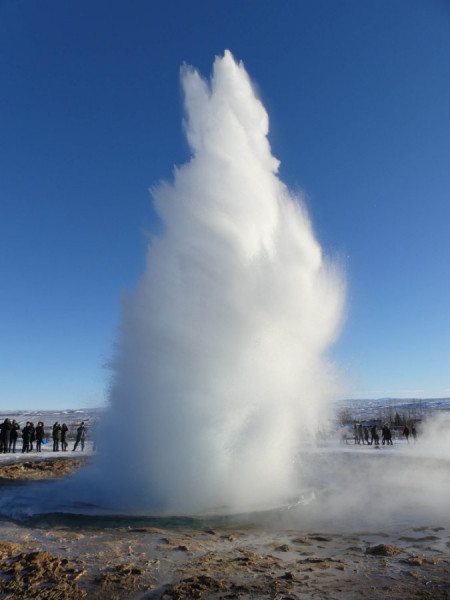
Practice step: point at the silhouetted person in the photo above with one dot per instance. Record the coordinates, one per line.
(64, 430)
(81, 436)
(386, 435)
(32, 435)
(40, 434)
(15, 428)
(360, 434)
(5, 436)
(389, 436)
(414, 432)
(26, 436)
(56, 435)
(406, 433)
(374, 436)
(366, 435)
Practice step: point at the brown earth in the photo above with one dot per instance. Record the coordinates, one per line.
(50, 468)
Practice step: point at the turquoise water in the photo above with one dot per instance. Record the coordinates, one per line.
(77, 522)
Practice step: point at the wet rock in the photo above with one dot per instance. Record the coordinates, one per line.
(146, 530)
(289, 576)
(321, 538)
(230, 537)
(413, 561)
(323, 563)
(302, 540)
(170, 541)
(383, 550)
(120, 577)
(128, 570)
(177, 544)
(41, 469)
(40, 575)
(283, 548)
(8, 549)
(193, 588)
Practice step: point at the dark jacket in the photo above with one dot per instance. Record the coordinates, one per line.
(26, 433)
(5, 430)
(56, 431)
(81, 433)
(15, 428)
(40, 434)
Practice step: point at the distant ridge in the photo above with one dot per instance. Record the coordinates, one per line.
(370, 407)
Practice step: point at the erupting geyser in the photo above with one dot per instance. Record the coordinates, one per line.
(220, 365)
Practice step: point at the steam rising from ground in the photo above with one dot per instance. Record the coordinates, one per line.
(356, 487)
(219, 370)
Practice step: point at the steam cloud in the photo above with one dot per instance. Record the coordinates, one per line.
(220, 366)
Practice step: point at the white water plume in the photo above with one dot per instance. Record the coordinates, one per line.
(220, 368)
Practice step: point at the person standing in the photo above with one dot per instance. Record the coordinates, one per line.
(26, 436)
(5, 436)
(56, 435)
(15, 428)
(81, 436)
(361, 434)
(64, 430)
(40, 434)
(406, 433)
(366, 435)
(32, 435)
(387, 435)
(375, 439)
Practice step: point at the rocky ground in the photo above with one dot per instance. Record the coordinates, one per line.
(33, 468)
(47, 561)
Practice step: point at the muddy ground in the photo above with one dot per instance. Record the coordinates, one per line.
(46, 561)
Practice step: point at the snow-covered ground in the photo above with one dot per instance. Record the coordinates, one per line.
(46, 452)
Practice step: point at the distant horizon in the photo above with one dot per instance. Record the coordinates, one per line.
(356, 399)
(337, 400)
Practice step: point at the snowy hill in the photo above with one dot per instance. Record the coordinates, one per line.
(361, 409)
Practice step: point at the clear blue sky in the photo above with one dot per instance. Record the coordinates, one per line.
(358, 94)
